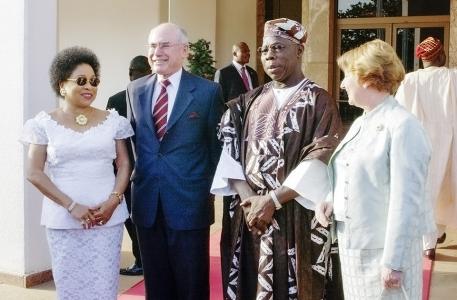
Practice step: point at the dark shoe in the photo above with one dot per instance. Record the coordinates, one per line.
(133, 270)
(442, 238)
(430, 254)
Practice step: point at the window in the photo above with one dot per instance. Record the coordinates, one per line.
(401, 23)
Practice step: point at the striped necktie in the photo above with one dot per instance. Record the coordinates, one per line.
(159, 114)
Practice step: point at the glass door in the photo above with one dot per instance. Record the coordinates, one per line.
(350, 37)
(408, 36)
(403, 33)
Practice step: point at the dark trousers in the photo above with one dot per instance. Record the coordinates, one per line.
(131, 228)
(226, 244)
(175, 262)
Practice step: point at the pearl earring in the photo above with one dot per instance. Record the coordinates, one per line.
(63, 92)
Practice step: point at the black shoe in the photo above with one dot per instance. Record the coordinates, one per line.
(442, 238)
(133, 270)
(430, 254)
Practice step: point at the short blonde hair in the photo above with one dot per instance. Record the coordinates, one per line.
(374, 63)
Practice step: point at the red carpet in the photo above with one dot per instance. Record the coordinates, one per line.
(427, 267)
(136, 292)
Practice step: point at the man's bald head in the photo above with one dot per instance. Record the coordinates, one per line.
(241, 53)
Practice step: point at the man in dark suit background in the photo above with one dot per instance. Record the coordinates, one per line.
(139, 67)
(237, 78)
(174, 115)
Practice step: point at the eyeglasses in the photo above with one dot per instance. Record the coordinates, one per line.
(81, 81)
(275, 48)
(163, 46)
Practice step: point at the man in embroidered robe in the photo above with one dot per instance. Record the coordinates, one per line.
(431, 95)
(277, 140)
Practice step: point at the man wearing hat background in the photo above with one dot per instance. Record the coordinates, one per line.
(431, 95)
(277, 140)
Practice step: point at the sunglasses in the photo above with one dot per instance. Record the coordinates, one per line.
(81, 81)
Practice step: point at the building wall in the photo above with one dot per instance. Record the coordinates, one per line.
(236, 22)
(116, 30)
(197, 17)
(453, 35)
(315, 18)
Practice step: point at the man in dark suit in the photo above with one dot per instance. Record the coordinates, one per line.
(237, 78)
(174, 115)
(139, 67)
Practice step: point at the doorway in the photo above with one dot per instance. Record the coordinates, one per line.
(401, 23)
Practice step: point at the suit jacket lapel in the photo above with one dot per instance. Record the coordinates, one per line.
(350, 135)
(183, 98)
(145, 100)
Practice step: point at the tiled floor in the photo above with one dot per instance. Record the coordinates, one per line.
(443, 286)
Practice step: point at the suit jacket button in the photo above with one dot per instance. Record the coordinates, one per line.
(159, 155)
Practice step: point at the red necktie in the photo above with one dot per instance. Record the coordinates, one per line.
(159, 114)
(245, 78)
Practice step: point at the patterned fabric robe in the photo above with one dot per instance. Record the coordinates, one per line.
(292, 259)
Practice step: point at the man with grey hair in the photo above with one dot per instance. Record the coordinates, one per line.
(174, 115)
(277, 140)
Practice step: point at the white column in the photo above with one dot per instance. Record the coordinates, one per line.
(29, 35)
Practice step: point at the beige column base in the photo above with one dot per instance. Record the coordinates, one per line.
(26, 281)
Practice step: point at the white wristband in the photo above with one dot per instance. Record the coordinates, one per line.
(71, 206)
(275, 200)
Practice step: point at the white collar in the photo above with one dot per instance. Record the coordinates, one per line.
(238, 66)
(282, 95)
(174, 78)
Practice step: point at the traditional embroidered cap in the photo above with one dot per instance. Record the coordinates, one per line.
(286, 28)
(429, 48)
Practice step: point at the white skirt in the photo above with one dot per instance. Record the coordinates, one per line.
(85, 263)
(361, 272)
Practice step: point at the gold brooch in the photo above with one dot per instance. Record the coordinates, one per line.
(81, 120)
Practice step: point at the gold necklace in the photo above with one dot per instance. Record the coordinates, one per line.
(81, 120)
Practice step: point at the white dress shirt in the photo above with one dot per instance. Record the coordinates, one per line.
(238, 68)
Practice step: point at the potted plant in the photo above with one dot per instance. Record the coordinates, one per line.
(200, 60)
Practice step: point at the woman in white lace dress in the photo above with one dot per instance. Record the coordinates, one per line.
(70, 160)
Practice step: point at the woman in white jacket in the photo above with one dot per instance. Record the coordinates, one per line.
(378, 175)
